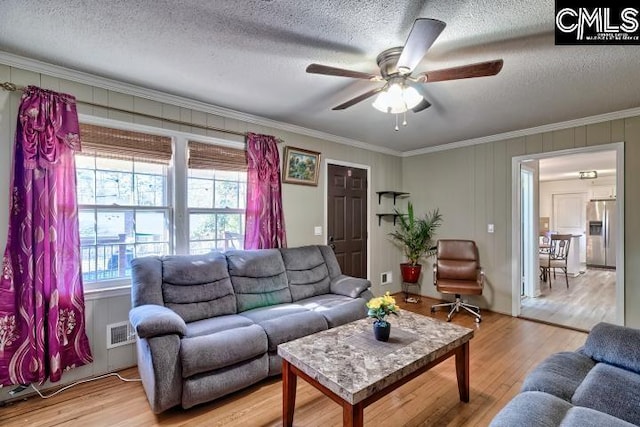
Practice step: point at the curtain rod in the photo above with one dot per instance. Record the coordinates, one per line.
(12, 87)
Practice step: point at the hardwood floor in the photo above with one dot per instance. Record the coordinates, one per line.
(503, 350)
(591, 298)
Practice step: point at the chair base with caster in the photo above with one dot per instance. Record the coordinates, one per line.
(456, 306)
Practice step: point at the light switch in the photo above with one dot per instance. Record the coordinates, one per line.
(489, 228)
(317, 230)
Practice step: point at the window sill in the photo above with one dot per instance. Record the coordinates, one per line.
(107, 292)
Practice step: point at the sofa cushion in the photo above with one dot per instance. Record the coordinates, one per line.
(261, 314)
(216, 324)
(539, 409)
(349, 286)
(285, 328)
(146, 281)
(258, 278)
(332, 262)
(585, 417)
(212, 385)
(197, 286)
(306, 271)
(560, 374)
(532, 409)
(336, 309)
(615, 345)
(612, 390)
(219, 350)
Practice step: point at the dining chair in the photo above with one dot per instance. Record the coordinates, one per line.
(556, 257)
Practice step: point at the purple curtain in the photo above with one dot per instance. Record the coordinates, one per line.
(265, 219)
(42, 323)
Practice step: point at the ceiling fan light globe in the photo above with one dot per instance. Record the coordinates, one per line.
(411, 97)
(381, 102)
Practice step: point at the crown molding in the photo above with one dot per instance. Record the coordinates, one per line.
(623, 114)
(29, 64)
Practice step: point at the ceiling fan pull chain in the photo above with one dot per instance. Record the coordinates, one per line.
(397, 128)
(404, 118)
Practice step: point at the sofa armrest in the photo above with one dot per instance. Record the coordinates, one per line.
(151, 320)
(349, 286)
(615, 345)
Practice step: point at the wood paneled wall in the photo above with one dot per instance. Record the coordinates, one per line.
(472, 187)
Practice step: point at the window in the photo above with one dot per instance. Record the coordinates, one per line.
(216, 197)
(127, 208)
(123, 200)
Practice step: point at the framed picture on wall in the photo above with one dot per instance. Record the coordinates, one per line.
(300, 166)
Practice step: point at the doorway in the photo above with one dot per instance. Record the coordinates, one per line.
(347, 217)
(561, 200)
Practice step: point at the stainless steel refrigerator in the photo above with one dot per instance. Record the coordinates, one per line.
(601, 233)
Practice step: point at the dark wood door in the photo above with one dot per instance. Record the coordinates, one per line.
(347, 218)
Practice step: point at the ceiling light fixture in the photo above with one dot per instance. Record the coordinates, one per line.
(588, 174)
(396, 98)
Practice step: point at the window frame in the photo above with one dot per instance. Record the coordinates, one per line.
(176, 187)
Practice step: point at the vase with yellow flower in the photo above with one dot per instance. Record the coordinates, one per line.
(379, 309)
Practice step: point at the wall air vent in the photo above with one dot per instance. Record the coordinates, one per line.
(119, 334)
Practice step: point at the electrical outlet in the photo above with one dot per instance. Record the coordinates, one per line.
(19, 389)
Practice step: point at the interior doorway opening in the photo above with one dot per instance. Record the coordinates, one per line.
(581, 292)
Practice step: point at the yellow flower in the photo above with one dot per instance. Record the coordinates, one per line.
(374, 303)
(388, 299)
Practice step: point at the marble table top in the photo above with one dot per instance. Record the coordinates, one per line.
(350, 362)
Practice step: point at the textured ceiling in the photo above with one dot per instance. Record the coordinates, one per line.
(251, 56)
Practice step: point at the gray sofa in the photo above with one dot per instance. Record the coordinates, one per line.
(209, 325)
(598, 385)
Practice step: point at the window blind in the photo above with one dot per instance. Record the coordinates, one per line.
(124, 144)
(208, 156)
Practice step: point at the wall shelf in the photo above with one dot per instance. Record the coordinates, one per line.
(387, 215)
(395, 194)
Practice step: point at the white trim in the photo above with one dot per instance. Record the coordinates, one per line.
(101, 293)
(155, 95)
(325, 174)
(620, 288)
(631, 112)
(515, 221)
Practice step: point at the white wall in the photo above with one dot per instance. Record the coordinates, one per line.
(591, 188)
(549, 188)
(303, 205)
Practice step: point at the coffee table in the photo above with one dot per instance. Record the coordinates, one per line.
(349, 366)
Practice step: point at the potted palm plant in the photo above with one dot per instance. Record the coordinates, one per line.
(415, 237)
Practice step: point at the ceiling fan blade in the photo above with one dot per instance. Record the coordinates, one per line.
(481, 69)
(423, 34)
(424, 104)
(341, 72)
(358, 98)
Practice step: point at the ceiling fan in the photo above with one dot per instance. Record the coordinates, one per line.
(401, 90)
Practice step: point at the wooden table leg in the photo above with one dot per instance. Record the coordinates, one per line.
(352, 415)
(462, 371)
(289, 381)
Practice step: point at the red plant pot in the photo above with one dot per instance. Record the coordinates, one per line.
(410, 273)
